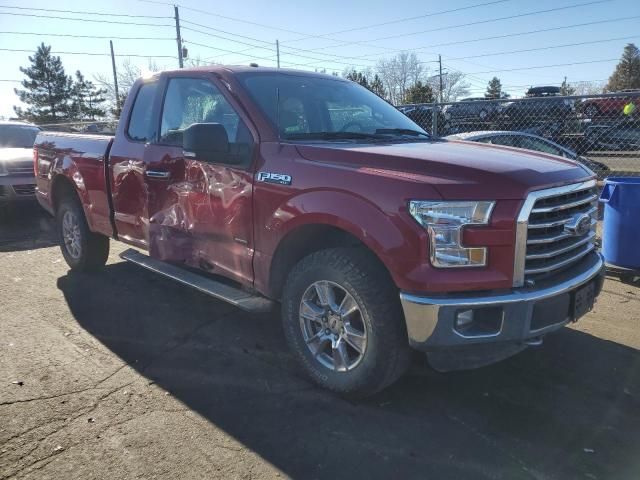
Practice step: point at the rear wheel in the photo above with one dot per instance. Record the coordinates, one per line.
(82, 249)
(343, 321)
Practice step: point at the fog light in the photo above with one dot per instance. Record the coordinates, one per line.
(464, 319)
(479, 322)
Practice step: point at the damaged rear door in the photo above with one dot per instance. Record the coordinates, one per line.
(200, 212)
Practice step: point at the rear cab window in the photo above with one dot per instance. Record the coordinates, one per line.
(141, 127)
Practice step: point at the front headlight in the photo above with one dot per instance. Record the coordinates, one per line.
(444, 222)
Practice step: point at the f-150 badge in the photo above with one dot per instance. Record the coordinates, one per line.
(270, 177)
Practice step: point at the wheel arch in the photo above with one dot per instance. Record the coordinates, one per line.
(306, 239)
(61, 187)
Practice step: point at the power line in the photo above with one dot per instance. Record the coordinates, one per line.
(86, 20)
(511, 35)
(7, 80)
(83, 12)
(492, 20)
(86, 36)
(543, 48)
(406, 19)
(268, 46)
(269, 59)
(205, 12)
(547, 66)
(468, 24)
(90, 53)
(227, 51)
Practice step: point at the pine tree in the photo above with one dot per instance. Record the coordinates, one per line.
(494, 88)
(358, 77)
(419, 93)
(377, 86)
(627, 72)
(86, 99)
(47, 89)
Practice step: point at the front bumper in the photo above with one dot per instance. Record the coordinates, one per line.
(17, 188)
(517, 317)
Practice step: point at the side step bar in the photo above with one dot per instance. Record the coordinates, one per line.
(235, 296)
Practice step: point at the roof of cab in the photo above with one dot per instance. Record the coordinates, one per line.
(234, 69)
(19, 123)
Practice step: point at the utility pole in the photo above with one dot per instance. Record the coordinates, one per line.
(441, 86)
(115, 78)
(278, 51)
(178, 37)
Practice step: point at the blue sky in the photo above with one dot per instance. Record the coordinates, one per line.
(314, 35)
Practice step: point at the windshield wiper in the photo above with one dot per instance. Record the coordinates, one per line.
(330, 136)
(401, 131)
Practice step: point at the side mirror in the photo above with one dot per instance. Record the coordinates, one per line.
(207, 142)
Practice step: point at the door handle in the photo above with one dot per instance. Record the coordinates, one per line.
(157, 174)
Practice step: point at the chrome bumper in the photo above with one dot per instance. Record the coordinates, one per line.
(520, 314)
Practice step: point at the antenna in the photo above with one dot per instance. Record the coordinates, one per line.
(278, 112)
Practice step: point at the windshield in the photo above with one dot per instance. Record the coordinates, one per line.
(327, 109)
(17, 136)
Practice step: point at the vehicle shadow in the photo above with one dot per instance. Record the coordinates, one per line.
(26, 227)
(570, 409)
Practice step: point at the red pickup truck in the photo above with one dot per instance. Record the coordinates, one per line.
(262, 186)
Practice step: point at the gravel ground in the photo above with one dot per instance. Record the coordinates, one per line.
(123, 374)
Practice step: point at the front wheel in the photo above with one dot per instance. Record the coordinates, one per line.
(82, 249)
(343, 321)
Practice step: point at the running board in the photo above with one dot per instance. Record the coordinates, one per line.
(235, 296)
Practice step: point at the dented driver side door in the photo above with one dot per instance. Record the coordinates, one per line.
(201, 213)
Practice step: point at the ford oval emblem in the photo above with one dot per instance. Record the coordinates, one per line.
(579, 225)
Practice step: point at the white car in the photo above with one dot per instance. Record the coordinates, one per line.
(17, 180)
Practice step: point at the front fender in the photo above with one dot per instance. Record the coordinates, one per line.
(392, 236)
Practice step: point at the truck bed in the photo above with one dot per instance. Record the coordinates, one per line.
(81, 159)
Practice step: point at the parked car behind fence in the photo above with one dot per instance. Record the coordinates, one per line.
(606, 139)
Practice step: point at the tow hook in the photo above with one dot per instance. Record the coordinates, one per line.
(533, 342)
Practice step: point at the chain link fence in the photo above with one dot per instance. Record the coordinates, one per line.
(601, 131)
(101, 127)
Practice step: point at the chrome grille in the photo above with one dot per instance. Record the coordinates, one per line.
(21, 169)
(556, 228)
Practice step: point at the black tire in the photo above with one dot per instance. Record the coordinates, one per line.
(592, 111)
(93, 247)
(387, 353)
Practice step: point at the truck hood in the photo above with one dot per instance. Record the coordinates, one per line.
(16, 154)
(457, 169)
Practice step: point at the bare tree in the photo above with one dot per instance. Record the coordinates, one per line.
(398, 74)
(588, 88)
(454, 86)
(128, 73)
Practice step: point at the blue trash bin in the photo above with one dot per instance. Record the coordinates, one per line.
(621, 229)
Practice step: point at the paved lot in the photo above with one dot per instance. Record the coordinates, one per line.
(618, 162)
(127, 375)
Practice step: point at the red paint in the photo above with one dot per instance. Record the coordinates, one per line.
(217, 218)
(610, 106)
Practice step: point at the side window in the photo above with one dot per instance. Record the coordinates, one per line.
(141, 126)
(538, 145)
(505, 140)
(191, 100)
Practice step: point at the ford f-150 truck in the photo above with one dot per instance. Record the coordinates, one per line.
(263, 186)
